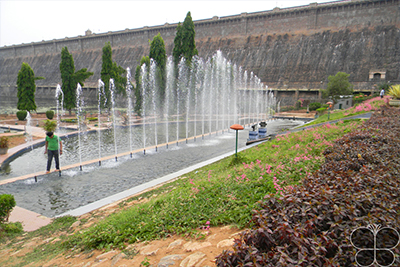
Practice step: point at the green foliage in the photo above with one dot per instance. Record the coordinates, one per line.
(338, 85)
(7, 203)
(21, 115)
(110, 70)
(50, 114)
(321, 111)
(26, 88)
(12, 228)
(394, 91)
(3, 142)
(50, 126)
(383, 85)
(70, 78)
(314, 106)
(310, 225)
(357, 99)
(157, 52)
(184, 41)
(177, 50)
(59, 224)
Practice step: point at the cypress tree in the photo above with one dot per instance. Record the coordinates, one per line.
(26, 88)
(177, 50)
(158, 54)
(188, 39)
(110, 69)
(70, 78)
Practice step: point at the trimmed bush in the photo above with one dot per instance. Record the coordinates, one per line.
(314, 106)
(7, 203)
(21, 115)
(50, 114)
(321, 111)
(50, 126)
(313, 224)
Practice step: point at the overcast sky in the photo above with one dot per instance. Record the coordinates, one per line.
(33, 21)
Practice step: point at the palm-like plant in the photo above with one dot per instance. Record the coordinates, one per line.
(394, 91)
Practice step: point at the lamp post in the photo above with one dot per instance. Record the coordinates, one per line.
(237, 127)
(329, 109)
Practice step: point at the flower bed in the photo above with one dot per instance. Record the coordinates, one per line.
(312, 224)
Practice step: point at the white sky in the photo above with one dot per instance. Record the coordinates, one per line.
(33, 21)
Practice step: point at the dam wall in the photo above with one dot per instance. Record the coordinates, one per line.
(290, 48)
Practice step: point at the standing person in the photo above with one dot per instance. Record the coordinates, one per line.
(52, 143)
(382, 93)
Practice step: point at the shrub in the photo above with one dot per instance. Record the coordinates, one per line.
(4, 142)
(321, 111)
(312, 224)
(50, 114)
(21, 114)
(314, 106)
(394, 91)
(7, 203)
(50, 126)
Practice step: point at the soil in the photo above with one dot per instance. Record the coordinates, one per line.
(207, 243)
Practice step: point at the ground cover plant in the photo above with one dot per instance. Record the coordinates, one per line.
(311, 224)
(369, 105)
(216, 194)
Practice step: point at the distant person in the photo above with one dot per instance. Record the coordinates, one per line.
(382, 93)
(53, 143)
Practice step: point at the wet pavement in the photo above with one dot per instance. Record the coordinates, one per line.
(53, 195)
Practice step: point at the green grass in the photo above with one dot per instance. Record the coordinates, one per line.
(374, 103)
(222, 193)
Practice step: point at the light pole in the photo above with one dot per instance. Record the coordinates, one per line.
(237, 127)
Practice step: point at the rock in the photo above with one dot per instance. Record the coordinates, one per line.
(226, 243)
(211, 237)
(149, 250)
(116, 258)
(169, 260)
(106, 255)
(75, 224)
(192, 246)
(175, 244)
(193, 259)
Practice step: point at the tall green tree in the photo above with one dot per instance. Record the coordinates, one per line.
(159, 55)
(188, 38)
(338, 85)
(26, 88)
(70, 78)
(110, 69)
(184, 41)
(138, 88)
(177, 50)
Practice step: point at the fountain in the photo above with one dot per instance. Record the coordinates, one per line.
(206, 96)
(203, 98)
(59, 93)
(101, 94)
(79, 107)
(114, 115)
(129, 110)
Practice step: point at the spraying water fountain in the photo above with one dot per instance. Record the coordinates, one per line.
(202, 99)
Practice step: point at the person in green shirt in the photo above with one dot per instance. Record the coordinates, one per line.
(53, 144)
